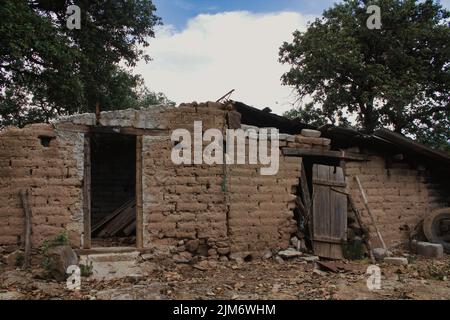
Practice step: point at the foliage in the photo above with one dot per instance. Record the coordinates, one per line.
(60, 239)
(396, 77)
(20, 260)
(86, 269)
(48, 70)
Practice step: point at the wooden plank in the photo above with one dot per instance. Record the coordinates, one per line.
(301, 152)
(304, 188)
(111, 216)
(329, 212)
(139, 195)
(120, 222)
(87, 192)
(366, 204)
(24, 196)
(329, 183)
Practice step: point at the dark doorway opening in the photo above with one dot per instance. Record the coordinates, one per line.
(113, 190)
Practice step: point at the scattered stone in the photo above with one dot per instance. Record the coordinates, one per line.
(183, 257)
(13, 259)
(279, 259)
(397, 261)
(61, 257)
(289, 253)
(223, 259)
(267, 255)
(202, 265)
(192, 245)
(319, 272)
(311, 133)
(276, 288)
(430, 250)
(147, 256)
(380, 253)
(310, 258)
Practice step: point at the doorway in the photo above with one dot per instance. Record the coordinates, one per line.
(112, 216)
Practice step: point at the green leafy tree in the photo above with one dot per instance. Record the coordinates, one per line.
(396, 77)
(46, 69)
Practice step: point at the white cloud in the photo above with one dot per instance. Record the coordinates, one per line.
(220, 52)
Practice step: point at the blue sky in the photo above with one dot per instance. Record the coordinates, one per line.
(208, 47)
(178, 12)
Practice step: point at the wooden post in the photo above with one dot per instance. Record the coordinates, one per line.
(24, 196)
(366, 204)
(139, 197)
(87, 192)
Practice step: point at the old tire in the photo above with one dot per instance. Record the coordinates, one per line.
(431, 227)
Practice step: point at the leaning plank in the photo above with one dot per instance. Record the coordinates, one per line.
(130, 228)
(24, 196)
(112, 215)
(119, 222)
(366, 204)
(366, 239)
(304, 188)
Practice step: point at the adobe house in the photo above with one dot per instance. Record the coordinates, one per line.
(108, 179)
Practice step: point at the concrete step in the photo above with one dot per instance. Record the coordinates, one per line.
(108, 266)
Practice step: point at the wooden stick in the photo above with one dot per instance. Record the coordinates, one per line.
(24, 196)
(360, 222)
(366, 204)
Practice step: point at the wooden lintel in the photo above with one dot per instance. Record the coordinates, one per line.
(300, 152)
(111, 130)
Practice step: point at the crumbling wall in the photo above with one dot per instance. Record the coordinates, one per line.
(260, 208)
(184, 204)
(50, 165)
(202, 209)
(399, 196)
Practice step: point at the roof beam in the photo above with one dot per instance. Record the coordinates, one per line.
(343, 155)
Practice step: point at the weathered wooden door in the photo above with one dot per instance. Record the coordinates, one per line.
(329, 223)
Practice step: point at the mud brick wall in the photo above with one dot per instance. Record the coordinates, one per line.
(52, 173)
(184, 202)
(399, 197)
(260, 208)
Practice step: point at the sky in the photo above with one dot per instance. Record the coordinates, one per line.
(208, 47)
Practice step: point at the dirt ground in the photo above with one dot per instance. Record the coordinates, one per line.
(259, 279)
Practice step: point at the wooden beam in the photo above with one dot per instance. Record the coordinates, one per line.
(139, 195)
(24, 196)
(87, 192)
(301, 152)
(110, 130)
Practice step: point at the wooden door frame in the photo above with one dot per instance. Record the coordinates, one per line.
(87, 238)
(87, 192)
(139, 194)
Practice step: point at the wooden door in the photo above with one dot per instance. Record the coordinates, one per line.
(329, 223)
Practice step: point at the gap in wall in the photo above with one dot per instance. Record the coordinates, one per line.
(113, 190)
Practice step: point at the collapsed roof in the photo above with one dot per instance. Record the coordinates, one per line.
(382, 140)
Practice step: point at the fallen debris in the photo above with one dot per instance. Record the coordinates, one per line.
(430, 250)
(289, 253)
(60, 258)
(381, 253)
(397, 261)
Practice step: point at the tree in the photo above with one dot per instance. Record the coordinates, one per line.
(47, 69)
(396, 77)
